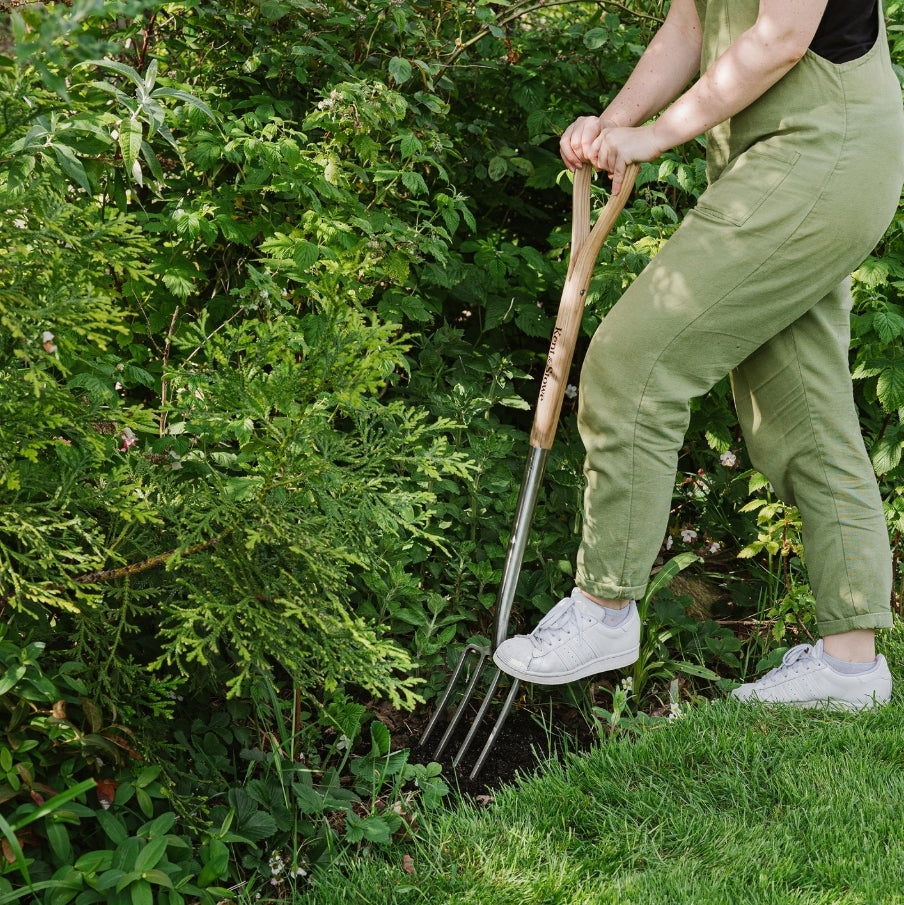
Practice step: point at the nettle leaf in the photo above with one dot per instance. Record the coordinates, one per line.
(890, 388)
(414, 182)
(886, 454)
(889, 325)
(873, 272)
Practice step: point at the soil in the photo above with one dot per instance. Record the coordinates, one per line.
(534, 731)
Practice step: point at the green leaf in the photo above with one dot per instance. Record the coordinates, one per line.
(158, 878)
(131, 134)
(121, 68)
(71, 165)
(141, 893)
(113, 826)
(186, 98)
(672, 567)
(380, 739)
(58, 838)
(889, 325)
(890, 388)
(414, 182)
(93, 862)
(15, 848)
(216, 863)
(151, 854)
(886, 455)
(52, 804)
(497, 168)
(144, 802)
(11, 677)
(400, 70)
(695, 669)
(150, 75)
(596, 38)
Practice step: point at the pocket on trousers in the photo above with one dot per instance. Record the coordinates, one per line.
(746, 184)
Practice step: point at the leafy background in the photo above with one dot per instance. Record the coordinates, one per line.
(277, 286)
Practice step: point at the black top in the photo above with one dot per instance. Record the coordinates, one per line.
(848, 29)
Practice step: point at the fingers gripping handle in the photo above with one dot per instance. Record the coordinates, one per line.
(585, 247)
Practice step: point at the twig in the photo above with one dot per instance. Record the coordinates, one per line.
(525, 9)
(136, 568)
(164, 383)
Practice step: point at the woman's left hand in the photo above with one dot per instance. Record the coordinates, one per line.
(615, 148)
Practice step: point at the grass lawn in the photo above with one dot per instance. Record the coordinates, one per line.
(729, 804)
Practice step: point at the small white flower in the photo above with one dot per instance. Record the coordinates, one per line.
(627, 683)
(688, 535)
(675, 711)
(343, 743)
(715, 547)
(48, 343)
(571, 391)
(277, 865)
(728, 459)
(669, 542)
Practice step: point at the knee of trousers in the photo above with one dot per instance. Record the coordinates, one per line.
(626, 387)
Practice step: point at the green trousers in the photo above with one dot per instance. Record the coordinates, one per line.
(755, 284)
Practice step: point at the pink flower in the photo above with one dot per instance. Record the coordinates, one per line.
(128, 440)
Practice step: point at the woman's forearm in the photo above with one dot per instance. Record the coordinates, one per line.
(664, 70)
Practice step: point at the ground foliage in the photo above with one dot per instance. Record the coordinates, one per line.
(278, 282)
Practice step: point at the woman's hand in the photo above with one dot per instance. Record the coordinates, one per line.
(613, 149)
(577, 141)
(610, 148)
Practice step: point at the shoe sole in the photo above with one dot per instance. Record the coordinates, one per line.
(868, 704)
(603, 664)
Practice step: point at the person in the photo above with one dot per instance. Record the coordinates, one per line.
(805, 162)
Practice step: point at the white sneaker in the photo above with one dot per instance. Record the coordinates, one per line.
(804, 679)
(571, 641)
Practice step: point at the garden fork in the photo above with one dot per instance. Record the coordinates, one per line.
(585, 247)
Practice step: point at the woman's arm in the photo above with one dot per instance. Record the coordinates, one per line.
(667, 65)
(753, 63)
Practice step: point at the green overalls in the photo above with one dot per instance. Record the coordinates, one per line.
(755, 283)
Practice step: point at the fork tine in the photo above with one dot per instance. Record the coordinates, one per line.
(497, 728)
(468, 651)
(481, 713)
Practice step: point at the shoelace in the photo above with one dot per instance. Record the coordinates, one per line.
(560, 620)
(791, 662)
